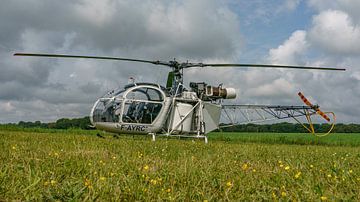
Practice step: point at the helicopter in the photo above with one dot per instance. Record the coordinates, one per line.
(175, 110)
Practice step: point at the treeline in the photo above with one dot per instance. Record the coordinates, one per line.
(84, 123)
(64, 123)
(293, 128)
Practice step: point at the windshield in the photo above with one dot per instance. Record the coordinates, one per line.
(142, 105)
(117, 92)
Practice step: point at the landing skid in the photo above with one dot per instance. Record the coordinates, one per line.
(153, 136)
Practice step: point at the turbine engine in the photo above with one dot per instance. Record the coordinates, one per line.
(207, 92)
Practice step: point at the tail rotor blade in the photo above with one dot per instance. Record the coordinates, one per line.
(321, 113)
(315, 107)
(306, 101)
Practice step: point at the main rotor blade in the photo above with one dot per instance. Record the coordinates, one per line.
(262, 65)
(174, 63)
(90, 57)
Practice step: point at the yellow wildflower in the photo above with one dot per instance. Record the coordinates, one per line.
(168, 190)
(245, 166)
(329, 175)
(229, 184)
(13, 147)
(102, 178)
(146, 167)
(114, 157)
(153, 181)
(287, 168)
(46, 183)
(323, 198)
(281, 165)
(283, 194)
(53, 182)
(87, 183)
(311, 166)
(350, 171)
(297, 175)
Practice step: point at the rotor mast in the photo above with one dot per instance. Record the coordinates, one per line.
(177, 80)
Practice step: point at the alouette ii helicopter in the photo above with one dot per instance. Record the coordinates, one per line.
(176, 110)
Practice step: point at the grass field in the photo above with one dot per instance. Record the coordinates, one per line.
(77, 165)
(339, 139)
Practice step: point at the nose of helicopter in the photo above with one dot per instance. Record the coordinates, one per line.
(91, 117)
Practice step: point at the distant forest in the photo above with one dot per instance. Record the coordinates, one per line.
(64, 123)
(84, 123)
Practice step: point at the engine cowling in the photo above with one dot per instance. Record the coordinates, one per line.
(207, 92)
(224, 93)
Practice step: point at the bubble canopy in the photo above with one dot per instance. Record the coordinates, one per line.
(135, 103)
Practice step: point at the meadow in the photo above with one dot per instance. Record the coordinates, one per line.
(77, 165)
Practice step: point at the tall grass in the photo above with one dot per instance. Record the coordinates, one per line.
(78, 166)
(334, 139)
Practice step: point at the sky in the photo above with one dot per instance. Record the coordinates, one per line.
(290, 32)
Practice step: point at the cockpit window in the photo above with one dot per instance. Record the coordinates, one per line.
(107, 110)
(142, 105)
(144, 93)
(112, 93)
(140, 112)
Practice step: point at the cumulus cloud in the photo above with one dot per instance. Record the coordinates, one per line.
(350, 7)
(334, 31)
(279, 87)
(291, 50)
(331, 40)
(208, 31)
(153, 30)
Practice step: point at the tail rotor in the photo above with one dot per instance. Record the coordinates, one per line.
(315, 107)
(319, 112)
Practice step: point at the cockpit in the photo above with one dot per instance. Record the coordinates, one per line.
(136, 103)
